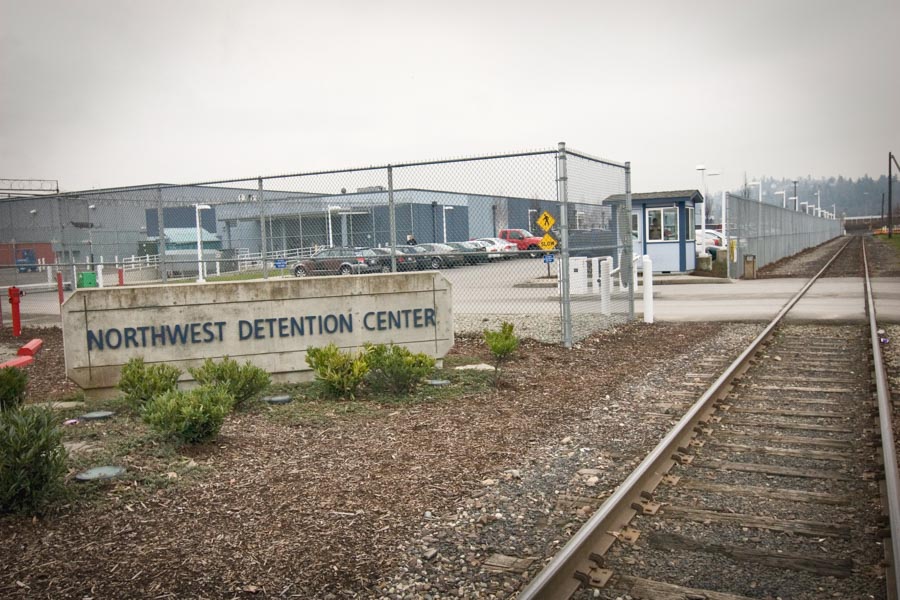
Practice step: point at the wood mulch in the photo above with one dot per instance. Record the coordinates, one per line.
(320, 508)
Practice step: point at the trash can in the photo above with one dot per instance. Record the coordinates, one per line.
(750, 266)
(87, 279)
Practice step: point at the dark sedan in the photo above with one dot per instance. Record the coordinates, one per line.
(406, 259)
(473, 252)
(439, 256)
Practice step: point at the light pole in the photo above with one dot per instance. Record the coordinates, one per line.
(446, 208)
(702, 169)
(783, 198)
(197, 209)
(758, 184)
(330, 240)
(91, 233)
(796, 197)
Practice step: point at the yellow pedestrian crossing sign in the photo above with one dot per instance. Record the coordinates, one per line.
(546, 221)
(547, 242)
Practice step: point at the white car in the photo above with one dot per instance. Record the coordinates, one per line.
(709, 241)
(497, 248)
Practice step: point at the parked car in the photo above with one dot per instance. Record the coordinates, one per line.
(497, 248)
(406, 259)
(473, 252)
(710, 241)
(523, 239)
(439, 256)
(333, 261)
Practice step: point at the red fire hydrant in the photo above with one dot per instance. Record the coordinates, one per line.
(15, 298)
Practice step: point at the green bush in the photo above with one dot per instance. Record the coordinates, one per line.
(243, 382)
(190, 417)
(141, 383)
(502, 344)
(340, 372)
(12, 387)
(32, 459)
(395, 369)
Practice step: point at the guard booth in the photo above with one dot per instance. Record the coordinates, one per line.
(663, 227)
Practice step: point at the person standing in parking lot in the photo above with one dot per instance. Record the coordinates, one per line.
(411, 241)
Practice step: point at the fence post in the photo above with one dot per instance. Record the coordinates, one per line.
(725, 235)
(563, 194)
(392, 218)
(648, 289)
(161, 232)
(100, 275)
(262, 228)
(605, 284)
(626, 266)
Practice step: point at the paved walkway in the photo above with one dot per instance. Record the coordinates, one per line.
(836, 299)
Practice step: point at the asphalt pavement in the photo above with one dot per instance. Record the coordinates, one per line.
(506, 288)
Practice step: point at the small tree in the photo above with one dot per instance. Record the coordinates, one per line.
(502, 344)
(12, 387)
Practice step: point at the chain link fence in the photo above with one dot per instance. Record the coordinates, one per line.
(476, 219)
(769, 233)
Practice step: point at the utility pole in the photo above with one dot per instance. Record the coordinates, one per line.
(891, 161)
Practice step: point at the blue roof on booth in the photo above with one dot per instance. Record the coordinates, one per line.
(671, 196)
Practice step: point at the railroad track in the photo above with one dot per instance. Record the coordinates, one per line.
(770, 486)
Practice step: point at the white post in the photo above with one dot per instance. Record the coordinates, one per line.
(218, 269)
(74, 276)
(49, 274)
(648, 289)
(725, 235)
(100, 274)
(605, 284)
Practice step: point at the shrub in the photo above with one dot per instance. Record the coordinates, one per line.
(191, 417)
(501, 344)
(340, 372)
(395, 369)
(141, 383)
(243, 382)
(12, 387)
(32, 459)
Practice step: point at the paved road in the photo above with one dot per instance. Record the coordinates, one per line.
(489, 289)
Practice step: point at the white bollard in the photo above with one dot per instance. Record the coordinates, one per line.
(50, 274)
(74, 277)
(218, 269)
(648, 289)
(100, 275)
(605, 285)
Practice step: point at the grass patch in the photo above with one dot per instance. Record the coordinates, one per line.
(892, 241)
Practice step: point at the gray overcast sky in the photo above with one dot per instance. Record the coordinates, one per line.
(97, 93)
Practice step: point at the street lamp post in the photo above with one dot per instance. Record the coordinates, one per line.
(759, 184)
(330, 239)
(197, 209)
(446, 208)
(783, 198)
(91, 234)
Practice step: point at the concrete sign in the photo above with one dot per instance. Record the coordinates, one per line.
(270, 323)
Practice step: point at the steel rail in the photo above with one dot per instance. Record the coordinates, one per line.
(580, 561)
(885, 424)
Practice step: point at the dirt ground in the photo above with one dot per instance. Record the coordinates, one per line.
(307, 506)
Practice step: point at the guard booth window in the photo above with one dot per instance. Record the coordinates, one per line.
(691, 227)
(662, 225)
